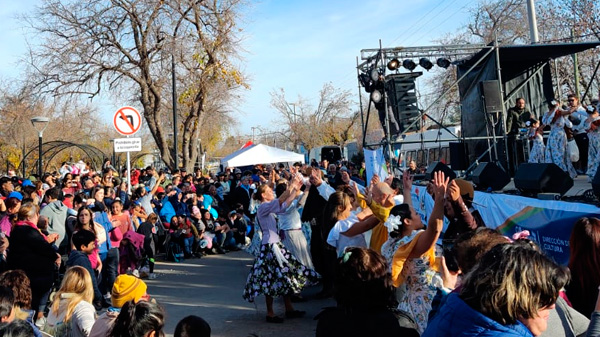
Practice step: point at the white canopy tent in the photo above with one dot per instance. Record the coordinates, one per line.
(260, 154)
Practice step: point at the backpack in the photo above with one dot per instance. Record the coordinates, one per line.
(174, 252)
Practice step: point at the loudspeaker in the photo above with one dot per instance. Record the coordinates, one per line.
(542, 178)
(490, 176)
(439, 166)
(491, 96)
(458, 156)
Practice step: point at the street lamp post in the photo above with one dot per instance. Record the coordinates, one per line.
(40, 124)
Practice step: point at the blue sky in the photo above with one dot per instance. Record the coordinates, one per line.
(295, 45)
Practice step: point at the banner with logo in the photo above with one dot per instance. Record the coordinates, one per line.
(549, 222)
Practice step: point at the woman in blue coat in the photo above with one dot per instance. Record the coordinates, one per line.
(510, 292)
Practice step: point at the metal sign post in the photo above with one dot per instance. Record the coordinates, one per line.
(127, 121)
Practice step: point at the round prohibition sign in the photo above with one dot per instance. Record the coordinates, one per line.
(127, 121)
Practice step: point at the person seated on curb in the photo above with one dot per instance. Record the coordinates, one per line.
(126, 288)
(85, 245)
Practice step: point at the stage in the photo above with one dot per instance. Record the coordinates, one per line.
(580, 185)
(548, 221)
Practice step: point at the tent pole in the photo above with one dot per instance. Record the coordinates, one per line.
(503, 112)
(362, 115)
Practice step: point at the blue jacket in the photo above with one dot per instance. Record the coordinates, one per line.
(79, 258)
(456, 318)
(167, 211)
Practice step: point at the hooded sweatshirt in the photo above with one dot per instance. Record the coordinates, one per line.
(56, 212)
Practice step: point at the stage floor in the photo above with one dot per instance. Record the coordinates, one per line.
(580, 185)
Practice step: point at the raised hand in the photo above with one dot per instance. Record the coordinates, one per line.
(315, 177)
(440, 184)
(453, 191)
(407, 180)
(345, 177)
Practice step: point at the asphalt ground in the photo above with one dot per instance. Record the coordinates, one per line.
(211, 287)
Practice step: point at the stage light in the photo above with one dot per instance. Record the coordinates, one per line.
(443, 62)
(425, 63)
(393, 64)
(376, 96)
(409, 64)
(375, 74)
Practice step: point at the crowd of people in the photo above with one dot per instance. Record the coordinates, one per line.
(76, 233)
(384, 267)
(82, 238)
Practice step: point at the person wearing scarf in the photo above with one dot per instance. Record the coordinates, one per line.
(31, 252)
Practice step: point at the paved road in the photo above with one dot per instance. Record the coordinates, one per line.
(211, 287)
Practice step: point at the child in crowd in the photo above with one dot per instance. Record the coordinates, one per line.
(148, 230)
(85, 245)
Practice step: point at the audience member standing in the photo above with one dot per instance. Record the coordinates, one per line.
(584, 263)
(56, 212)
(31, 252)
(365, 299)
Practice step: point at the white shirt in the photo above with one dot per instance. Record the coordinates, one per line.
(337, 239)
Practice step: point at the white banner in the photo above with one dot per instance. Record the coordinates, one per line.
(375, 164)
(549, 222)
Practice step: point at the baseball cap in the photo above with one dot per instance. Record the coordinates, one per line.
(15, 195)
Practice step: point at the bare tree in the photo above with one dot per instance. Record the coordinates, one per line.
(330, 122)
(126, 47)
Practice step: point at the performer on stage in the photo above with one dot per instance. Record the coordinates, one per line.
(536, 155)
(578, 116)
(592, 127)
(556, 149)
(515, 120)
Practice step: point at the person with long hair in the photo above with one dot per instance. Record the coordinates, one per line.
(365, 298)
(556, 149)
(592, 126)
(85, 221)
(72, 312)
(141, 319)
(276, 272)
(509, 292)
(410, 251)
(32, 253)
(584, 263)
(108, 253)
